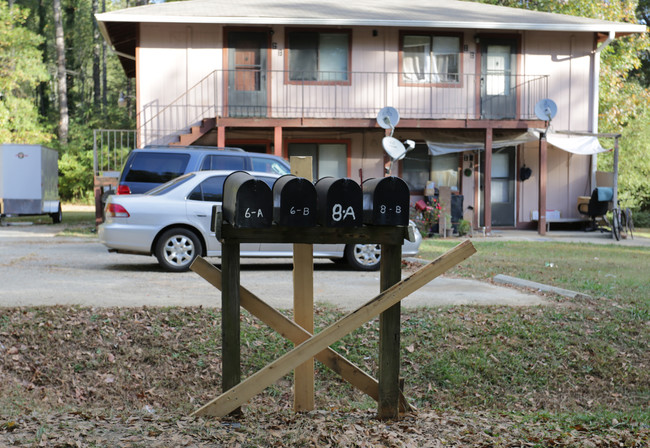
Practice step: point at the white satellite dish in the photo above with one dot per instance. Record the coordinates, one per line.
(394, 148)
(388, 117)
(545, 109)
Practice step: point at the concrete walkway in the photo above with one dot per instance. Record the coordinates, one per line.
(563, 236)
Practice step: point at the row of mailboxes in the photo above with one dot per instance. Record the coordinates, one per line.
(331, 202)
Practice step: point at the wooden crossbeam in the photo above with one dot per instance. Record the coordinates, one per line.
(256, 383)
(296, 334)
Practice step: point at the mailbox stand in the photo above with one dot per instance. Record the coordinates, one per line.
(389, 392)
(341, 216)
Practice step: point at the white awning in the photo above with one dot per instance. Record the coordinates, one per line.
(449, 142)
(443, 142)
(576, 144)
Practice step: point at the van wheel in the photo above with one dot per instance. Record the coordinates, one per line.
(363, 257)
(58, 216)
(176, 249)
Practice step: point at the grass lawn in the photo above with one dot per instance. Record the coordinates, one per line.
(576, 373)
(75, 222)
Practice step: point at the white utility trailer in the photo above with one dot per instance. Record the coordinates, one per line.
(29, 181)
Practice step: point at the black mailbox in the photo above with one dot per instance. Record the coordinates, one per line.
(294, 202)
(247, 201)
(386, 202)
(340, 202)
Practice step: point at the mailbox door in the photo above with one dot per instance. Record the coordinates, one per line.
(294, 202)
(386, 202)
(199, 212)
(340, 203)
(247, 202)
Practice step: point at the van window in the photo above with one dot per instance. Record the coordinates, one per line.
(169, 186)
(219, 162)
(156, 167)
(264, 165)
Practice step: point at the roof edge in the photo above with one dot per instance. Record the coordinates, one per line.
(599, 27)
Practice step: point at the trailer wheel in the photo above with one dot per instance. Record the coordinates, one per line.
(58, 216)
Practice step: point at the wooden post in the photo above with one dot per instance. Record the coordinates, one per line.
(98, 205)
(615, 180)
(230, 331)
(389, 335)
(487, 177)
(296, 334)
(541, 207)
(303, 300)
(221, 136)
(254, 384)
(277, 141)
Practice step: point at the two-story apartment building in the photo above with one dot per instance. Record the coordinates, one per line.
(299, 77)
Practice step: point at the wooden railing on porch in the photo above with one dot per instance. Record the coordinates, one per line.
(279, 94)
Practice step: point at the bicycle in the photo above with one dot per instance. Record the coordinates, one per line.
(622, 224)
(628, 224)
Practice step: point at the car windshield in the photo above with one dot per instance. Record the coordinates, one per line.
(169, 186)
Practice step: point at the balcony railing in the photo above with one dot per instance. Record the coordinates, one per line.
(282, 94)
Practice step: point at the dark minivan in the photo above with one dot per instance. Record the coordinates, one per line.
(152, 166)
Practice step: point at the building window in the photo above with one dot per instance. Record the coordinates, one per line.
(328, 159)
(415, 168)
(419, 167)
(318, 56)
(430, 59)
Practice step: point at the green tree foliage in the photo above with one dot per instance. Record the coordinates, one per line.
(21, 70)
(624, 95)
(37, 110)
(634, 185)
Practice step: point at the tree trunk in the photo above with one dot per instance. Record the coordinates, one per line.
(43, 93)
(97, 87)
(61, 73)
(104, 67)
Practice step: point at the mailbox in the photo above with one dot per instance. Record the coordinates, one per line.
(340, 202)
(386, 202)
(294, 202)
(247, 201)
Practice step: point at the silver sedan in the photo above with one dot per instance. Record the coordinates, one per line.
(172, 222)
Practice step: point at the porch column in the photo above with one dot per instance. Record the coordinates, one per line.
(487, 190)
(221, 136)
(541, 208)
(277, 141)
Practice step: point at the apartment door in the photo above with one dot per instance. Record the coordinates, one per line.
(502, 187)
(247, 91)
(498, 79)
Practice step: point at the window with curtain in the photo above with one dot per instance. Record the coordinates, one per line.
(328, 159)
(430, 59)
(419, 167)
(318, 56)
(444, 170)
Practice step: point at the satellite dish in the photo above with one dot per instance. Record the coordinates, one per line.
(545, 109)
(394, 148)
(388, 117)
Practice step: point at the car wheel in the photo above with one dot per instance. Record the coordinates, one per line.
(176, 249)
(363, 257)
(58, 216)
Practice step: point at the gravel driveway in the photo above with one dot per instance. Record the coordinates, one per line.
(39, 267)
